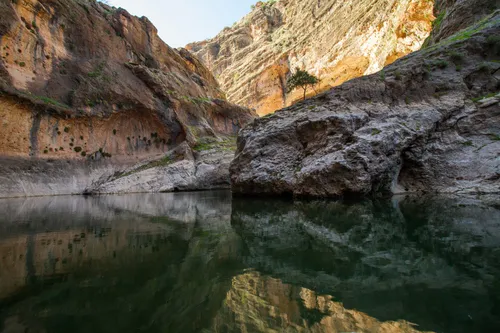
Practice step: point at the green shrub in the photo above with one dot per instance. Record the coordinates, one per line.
(484, 67)
(397, 75)
(77, 149)
(493, 43)
(457, 57)
(442, 64)
(66, 129)
(436, 24)
(382, 75)
(114, 131)
(494, 137)
(22, 64)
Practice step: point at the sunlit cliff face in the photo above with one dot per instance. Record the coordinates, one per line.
(334, 40)
(82, 77)
(257, 303)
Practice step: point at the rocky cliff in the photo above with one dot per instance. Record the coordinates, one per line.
(428, 122)
(91, 85)
(335, 40)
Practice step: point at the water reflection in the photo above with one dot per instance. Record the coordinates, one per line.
(201, 262)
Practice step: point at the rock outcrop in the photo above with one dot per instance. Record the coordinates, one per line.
(335, 40)
(428, 122)
(90, 84)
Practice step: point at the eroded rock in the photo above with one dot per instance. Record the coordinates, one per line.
(415, 126)
(335, 40)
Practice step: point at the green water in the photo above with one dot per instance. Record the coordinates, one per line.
(204, 262)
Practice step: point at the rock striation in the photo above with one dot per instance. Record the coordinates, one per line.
(428, 122)
(335, 40)
(89, 84)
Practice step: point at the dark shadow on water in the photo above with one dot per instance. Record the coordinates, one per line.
(203, 262)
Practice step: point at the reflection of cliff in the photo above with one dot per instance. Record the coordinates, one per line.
(192, 262)
(44, 256)
(418, 262)
(174, 284)
(38, 242)
(257, 303)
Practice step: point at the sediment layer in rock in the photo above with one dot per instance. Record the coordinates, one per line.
(335, 40)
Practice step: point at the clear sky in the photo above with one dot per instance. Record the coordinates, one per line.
(183, 21)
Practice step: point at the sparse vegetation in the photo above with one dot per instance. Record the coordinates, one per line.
(468, 143)
(227, 144)
(159, 163)
(397, 75)
(494, 137)
(484, 67)
(98, 70)
(376, 131)
(456, 57)
(436, 24)
(493, 43)
(51, 101)
(382, 75)
(477, 99)
(301, 79)
(442, 64)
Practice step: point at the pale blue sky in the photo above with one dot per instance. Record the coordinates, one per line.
(183, 21)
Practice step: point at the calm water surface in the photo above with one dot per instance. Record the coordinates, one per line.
(203, 262)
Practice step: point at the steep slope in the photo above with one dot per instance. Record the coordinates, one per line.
(83, 82)
(428, 122)
(335, 40)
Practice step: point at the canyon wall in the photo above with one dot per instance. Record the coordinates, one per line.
(334, 40)
(430, 122)
(80, 80)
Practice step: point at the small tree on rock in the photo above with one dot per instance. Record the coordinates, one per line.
(301, 79)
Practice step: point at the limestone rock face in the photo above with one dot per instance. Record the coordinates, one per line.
(333, 39)
(86, 82)
(428, 122)
(454, 15)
